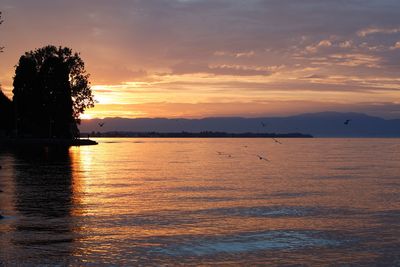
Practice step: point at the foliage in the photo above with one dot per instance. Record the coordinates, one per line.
(51, 90)
(6, 114)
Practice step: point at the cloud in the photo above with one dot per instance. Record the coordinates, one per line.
(209, 49)
(387, 110)
(376, 30)
(225, 69)
(395, 46)
(319, 45)
(346, 44)
(316, 76)
(117, 74)
(355, 60)
(235, 54)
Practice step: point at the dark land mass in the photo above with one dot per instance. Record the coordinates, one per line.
(324, 124)
(42, 142)
(50, 90)
(197, 135)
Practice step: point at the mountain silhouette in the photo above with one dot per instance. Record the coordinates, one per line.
(323, 124)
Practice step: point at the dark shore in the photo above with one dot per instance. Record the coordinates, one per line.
(26, 142)
(206, 134)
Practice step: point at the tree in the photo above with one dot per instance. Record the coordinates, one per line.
(51, 90)
(6, 114)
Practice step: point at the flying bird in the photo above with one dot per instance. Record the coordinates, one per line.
(347, 122)
(262, 158)
(224, 154)
(101, 124)
(277, 141)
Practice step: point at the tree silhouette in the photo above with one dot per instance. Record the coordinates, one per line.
(51, 90)
(6, 114)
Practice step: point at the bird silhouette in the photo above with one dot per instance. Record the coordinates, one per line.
(277, 141)
(101, 124)
(263, 124)
(346, 122)
(262, 158)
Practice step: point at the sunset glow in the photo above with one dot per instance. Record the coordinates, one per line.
(154, 59)
(199, 132)
(86, 117)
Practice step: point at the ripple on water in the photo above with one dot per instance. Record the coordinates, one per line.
(281, 211)
(186, 217)
(200, 188)
(248, 242)
(293, 194)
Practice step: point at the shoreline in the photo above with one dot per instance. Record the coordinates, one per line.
(16, 142)
(116, 134)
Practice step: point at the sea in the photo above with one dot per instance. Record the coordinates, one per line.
(229, 202)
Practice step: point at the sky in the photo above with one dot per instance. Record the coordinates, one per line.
(212, 58)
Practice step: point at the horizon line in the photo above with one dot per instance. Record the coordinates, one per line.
(244, 117)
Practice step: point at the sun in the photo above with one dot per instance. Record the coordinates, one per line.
(86, 117)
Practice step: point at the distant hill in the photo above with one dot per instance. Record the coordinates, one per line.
(324, 124)
(196, 135)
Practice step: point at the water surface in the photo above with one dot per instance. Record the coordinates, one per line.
(203, 201)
